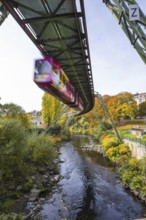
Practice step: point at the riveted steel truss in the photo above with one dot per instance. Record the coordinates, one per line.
(3, 13)
(58, 29)
(135, 30)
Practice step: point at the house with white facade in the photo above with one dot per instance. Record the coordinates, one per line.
(140, 97)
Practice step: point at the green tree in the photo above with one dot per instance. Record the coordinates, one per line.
(51, 107)
(12, 147)
(142, 109)
(11, 110)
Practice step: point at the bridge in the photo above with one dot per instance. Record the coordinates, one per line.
(58, 29)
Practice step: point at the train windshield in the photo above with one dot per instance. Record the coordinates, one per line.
(43, 67)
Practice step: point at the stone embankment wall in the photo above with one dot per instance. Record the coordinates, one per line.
(137, 150)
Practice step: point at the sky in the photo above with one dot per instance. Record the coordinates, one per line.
(116, 65)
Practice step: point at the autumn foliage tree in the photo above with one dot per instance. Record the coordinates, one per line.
(123, 106)
(142, 109)
(51, 107)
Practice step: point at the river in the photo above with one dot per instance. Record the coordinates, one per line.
(89, 188)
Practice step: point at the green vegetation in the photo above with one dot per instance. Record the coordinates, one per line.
(12, 216)
(22, 154)
(132, 171)
(142, 109)
(51, 107)
(25, 148)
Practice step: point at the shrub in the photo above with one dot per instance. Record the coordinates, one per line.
(126, 177)
(56, 129)
(134, 164)
(113, 153)
(136, 183)
(124, 150)
(144, 137)
(41, 148)
(12, 146)
(109, 141)
(12, 216)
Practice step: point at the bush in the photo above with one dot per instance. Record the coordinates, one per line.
(124, 150)
(126, 177)
(144, 137)
(56, 129)
(12, 216)
(136, 183)
(41, 148)
(131, 173)
(113, 153)
(109, 141)
(12, 146)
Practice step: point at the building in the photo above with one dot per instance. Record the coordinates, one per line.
(138, 132)
(36, 120)
(140, 97)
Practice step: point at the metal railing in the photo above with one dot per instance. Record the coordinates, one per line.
(139, 141)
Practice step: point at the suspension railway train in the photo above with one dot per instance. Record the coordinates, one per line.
(50, 77)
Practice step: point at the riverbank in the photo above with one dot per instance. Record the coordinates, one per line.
(127, 169)
(89, 188)
(81, 180)
(28, 206)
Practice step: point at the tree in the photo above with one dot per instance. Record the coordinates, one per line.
(51, 107)
(122, 105)
(12, 147)
(11, 110)
(142, 109)
(126, 106)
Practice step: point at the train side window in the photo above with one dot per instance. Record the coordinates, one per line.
(61, 75)
(55, 69)
(63, 78)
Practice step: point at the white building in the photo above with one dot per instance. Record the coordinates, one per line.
(36, 120)
(140, 97)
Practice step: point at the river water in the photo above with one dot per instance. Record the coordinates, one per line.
(89, 188)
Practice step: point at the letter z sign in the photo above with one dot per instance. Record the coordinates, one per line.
(133, 12)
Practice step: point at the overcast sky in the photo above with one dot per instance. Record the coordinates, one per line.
(116, 65)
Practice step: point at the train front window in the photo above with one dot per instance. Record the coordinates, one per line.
(43, 67)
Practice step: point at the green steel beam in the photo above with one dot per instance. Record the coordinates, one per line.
(100, 120)
(3, 13)
(135, 30)
(108, 115)
(57, 118)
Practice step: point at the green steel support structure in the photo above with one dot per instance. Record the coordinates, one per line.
(58, 29)
(135, 30)
(100, 121)
(3, 13)
(109, 116)
(57, 118)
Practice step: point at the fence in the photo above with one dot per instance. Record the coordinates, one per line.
(139, 141)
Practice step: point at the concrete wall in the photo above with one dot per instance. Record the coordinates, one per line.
(137, 150)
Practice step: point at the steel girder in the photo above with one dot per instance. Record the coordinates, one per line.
(135, 30)
(59, 30)
(3, 13)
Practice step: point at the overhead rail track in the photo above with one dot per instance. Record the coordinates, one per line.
(136, 29)
(58, 29)
(3, 13)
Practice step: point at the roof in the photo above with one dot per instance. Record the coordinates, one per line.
(59, 30)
